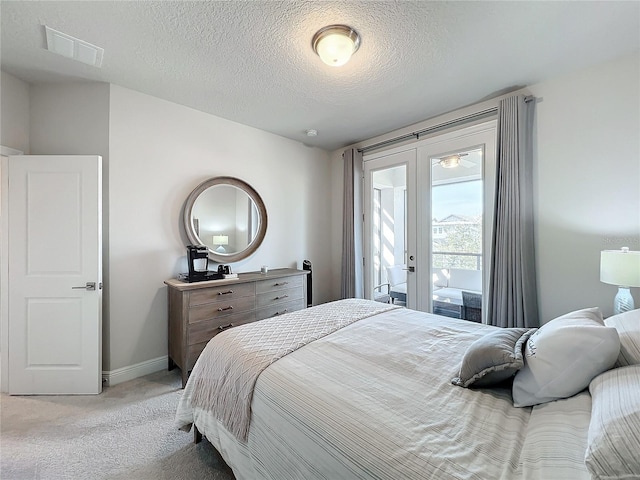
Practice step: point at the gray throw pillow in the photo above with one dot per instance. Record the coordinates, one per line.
(493, 358)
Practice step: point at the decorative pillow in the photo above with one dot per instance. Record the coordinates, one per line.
(628, 326)
(441, 278)
(563, 356)
(493, 358)
(613, 443)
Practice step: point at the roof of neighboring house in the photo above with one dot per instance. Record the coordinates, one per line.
(457, 219)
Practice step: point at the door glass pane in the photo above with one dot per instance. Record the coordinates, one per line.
(456, 224)
(389, 234)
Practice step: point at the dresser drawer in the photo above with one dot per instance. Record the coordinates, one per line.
(223, 308)
(277, 284)
(223, 293)
(207, 329)
(280, 309)
(279, 296)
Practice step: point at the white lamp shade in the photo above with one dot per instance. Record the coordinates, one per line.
(221, 239)
(620, 267)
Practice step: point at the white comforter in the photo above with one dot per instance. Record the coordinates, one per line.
(374, 400)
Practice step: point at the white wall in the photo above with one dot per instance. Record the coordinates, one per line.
(587, 171)
(159, 152)
(70, 118)
(14, 113)
(586, 181)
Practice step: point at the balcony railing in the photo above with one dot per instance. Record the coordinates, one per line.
(468, 261)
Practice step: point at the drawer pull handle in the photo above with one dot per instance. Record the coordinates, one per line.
(225, 327)
(222, 309)
(280, 284)
(225, 293)
(281, 313)
(281, 297)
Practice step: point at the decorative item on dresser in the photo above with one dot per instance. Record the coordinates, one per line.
(199, 311)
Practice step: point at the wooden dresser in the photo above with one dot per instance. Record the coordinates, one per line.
(199, 311)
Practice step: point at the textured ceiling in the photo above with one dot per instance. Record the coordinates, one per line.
(251, 61)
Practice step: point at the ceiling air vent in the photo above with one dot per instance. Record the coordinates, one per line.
(74, 48)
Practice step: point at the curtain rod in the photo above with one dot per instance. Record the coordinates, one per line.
(435, 128)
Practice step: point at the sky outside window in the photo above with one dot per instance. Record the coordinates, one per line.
(464, 198)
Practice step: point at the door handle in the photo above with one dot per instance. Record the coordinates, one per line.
(88, 286)
(411, 269)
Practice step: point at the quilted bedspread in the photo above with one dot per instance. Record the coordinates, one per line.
(229, 366)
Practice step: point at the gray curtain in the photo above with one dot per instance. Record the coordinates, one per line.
(352, 227)
(512, 296)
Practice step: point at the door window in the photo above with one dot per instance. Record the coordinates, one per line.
(389, 234)
(457, 225)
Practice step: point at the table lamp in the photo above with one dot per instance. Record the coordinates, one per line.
(621, 268)
(221, 240)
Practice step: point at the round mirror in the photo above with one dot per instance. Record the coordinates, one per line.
(228, 216)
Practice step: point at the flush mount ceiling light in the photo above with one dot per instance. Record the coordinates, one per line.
(452, 161)
(335, 44)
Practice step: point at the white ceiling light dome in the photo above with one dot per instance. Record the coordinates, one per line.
(452, 161)
(335, 44)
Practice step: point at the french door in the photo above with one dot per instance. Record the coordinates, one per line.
(389, 225)
(428, 219)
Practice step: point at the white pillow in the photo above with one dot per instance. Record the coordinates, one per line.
(613, 443)
(563, 356)
(441, 277)
(465, 279)
(628, 326)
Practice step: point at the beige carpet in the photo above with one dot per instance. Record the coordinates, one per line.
(126, 432)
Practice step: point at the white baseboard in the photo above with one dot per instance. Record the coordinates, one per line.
(124, 374)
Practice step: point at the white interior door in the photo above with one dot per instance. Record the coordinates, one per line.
(55, 274)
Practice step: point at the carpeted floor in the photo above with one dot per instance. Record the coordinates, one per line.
(127, 432)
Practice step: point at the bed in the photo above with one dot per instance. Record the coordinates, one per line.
(356, 389)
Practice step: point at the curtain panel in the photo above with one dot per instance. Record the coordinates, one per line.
(352, 226)
(512, 295)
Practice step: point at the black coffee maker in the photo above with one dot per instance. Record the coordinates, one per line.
(198, 264)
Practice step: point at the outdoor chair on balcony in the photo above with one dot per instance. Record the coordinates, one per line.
(397, 277)
(381, 293)
(471, 307)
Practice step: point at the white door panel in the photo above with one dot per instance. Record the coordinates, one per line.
(55, 215)
(482, 137)
(389, 227)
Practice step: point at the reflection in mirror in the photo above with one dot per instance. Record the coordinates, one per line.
(235, 223)
(228, 216)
